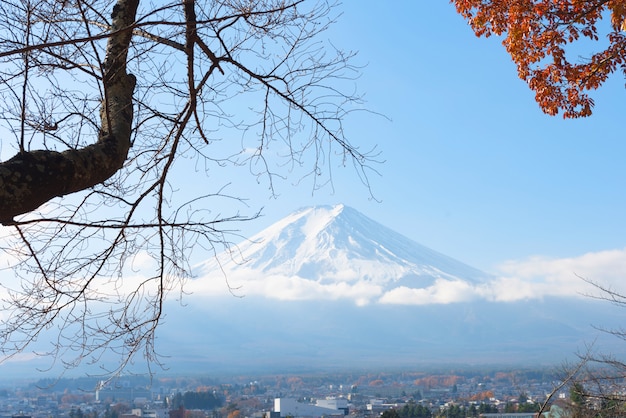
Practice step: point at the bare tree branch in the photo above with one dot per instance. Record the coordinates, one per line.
(129, 132)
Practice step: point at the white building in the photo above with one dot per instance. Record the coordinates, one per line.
(324, 408)
(333, 403)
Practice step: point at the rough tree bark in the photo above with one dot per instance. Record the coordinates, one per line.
(32, 178)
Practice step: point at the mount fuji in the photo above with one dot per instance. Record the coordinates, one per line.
(327, 287)
(335, 252)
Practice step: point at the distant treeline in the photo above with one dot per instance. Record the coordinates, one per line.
(416, 410)
(195, 400)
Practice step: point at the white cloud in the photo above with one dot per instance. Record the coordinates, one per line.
(441, 292)
(533, 278)
(562, 276)
(249, 283)
(510, 289)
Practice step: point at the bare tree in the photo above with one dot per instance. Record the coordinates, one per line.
(593, 387)
(596, 383)
(109, 107)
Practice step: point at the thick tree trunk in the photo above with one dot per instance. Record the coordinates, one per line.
(32, 178)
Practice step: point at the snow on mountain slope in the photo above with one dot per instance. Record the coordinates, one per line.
(331, 252)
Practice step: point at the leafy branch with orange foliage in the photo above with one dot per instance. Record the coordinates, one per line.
(539, 34)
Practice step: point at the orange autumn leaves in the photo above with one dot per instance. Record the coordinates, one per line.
(543, 38)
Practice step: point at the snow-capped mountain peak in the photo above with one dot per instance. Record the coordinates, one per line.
(334, 250)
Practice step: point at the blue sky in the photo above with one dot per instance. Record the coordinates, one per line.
(472, 167)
